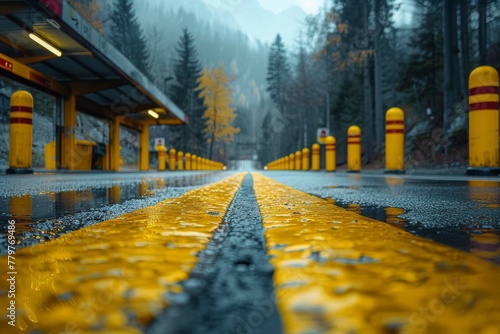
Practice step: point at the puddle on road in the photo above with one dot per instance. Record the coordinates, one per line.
(484, 243)
(29, 211)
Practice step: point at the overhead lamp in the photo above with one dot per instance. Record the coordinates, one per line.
(153, 113)
(45, 44)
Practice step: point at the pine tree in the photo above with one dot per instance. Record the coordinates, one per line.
(278, 73)
(421, 75)
(267, 135)
(187, 69)
(219, 115)
(127, 35)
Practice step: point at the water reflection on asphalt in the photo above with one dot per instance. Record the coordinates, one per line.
(39, 217)
(482, 242)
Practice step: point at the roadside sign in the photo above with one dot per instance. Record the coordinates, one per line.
(321, 135)
(159, 141)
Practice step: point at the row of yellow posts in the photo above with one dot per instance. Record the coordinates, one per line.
(484, 136)
(484, 143)
(179, 161)
(394, 137)
(300, 160)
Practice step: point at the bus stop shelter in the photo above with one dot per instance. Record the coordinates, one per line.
(48, 45)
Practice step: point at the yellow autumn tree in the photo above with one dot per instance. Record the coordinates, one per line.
(219, 115)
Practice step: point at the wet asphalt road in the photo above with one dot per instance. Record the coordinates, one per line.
(231, 288)
(47, 205)
(459, 211)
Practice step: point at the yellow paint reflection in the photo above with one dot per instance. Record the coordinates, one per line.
(485, 193)
(354, 207)
(486, 246)
(392, 217)
(21, 211)
(394, 180)
(143, 188)
(114, 194)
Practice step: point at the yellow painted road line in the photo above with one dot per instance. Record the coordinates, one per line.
(111, 277)
(339, 272)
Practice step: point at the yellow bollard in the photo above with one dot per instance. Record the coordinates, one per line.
(180, 160)
(188, 161)
(484, 157)
(395, 141)
(171, 159)
(194, 162)
(161, 157)
(286, 162)
(305, 158)
(199, 163)
(291, 161)
(298, 160)
(354, 149)
(21, 133)
(330, 154)
(316, 161)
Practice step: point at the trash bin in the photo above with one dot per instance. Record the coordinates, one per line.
(50, 156)
(84, 150)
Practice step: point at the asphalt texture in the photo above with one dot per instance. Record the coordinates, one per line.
(231, 288)
(46, 206)
(446, 209)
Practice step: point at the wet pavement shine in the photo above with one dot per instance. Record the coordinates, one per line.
(267, 252)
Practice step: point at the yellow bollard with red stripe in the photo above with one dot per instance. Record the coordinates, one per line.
(21, 133)
(354, 149)
(161, 157)
(395, 141)
(305, 158)
(316, 162)
(330, 154)
(171, 159)
(484, 157)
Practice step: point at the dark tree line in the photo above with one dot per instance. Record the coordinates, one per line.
(357, 63)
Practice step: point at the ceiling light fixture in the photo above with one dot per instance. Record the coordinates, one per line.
(153, 113)
(45, 44)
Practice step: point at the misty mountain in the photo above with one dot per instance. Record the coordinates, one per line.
(263, 24)
(247, 16)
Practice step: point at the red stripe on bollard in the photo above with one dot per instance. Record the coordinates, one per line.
(21, 108)
(483, 105)
(394, 131)
(394, 122)
(354, 136)
(483, 90)
(353, 142)
(19, 120)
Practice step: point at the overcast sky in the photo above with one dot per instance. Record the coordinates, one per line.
(277, 6)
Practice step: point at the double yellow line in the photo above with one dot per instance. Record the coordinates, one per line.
(335, 271)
